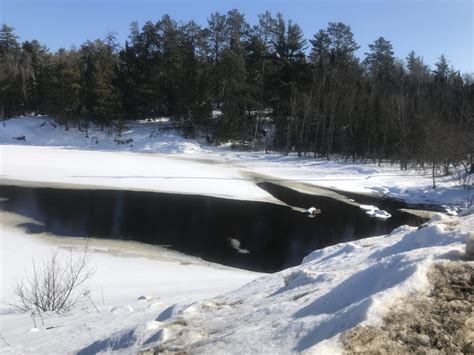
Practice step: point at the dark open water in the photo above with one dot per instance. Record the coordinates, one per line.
(275, 236)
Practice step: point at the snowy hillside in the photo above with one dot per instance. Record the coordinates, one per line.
(142, 136)
(190, 166)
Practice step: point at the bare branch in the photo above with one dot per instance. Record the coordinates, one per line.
(54, 285)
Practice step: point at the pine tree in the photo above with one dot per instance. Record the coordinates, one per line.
(380, 65)
(100, 96)
(36, 61)
(442, 71)
(11, 97)
(289, 76)
(218, 40)
(195, 88)
(334, 81)
(63, 88)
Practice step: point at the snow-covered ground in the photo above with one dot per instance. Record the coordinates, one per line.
(307, 308)
(302, 309)
(124, 271)
(123, 170)
(190, 166)
(197, 306)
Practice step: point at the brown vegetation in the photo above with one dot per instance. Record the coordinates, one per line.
(442, 322)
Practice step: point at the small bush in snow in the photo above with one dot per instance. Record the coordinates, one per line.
(56, 284)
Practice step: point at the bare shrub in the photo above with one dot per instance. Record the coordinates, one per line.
(56, 284)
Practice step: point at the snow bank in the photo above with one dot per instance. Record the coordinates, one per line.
(306, 308)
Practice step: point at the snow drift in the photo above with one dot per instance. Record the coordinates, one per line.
(308, 307)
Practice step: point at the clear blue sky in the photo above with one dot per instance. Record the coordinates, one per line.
(430, 27)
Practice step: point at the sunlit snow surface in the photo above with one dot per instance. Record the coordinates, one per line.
(151, 299)
(190, 166)
(132, 283)
(156, 297)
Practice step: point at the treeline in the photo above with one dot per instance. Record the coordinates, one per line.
(318, 95)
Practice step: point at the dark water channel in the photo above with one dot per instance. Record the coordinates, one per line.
(271, 237)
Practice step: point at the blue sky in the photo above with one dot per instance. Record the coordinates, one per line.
(430, 27)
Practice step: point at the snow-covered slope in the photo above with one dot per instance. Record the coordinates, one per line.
(143, 136)
(208, 169)
(302, 309)
(307, 308)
